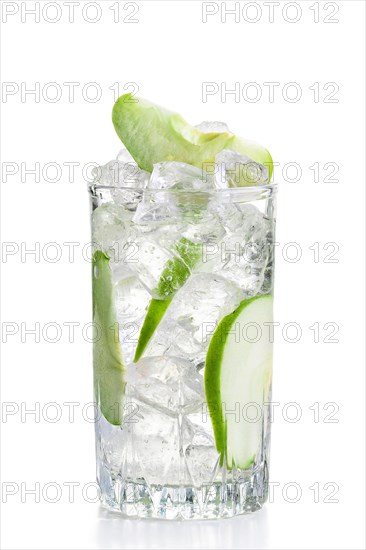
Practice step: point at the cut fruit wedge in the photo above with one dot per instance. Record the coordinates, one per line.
(153, 134)
(154, 315)
(109, 369)
(173, 277)
(237, 380)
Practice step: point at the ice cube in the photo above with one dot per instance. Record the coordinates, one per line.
(203, 228)
(235, 169)
(130, 175)
(109, 222)
(129, 198)
(178, 175)
(153, 212)
(156, 208)
(221, 181)
(209, 127)
(202, 461)
(243, 255)
(200, 304)
(105, 174)
(159, 268)
(229, 215)
(177, 342)
(131, 299)
(154, 440)
(168, 383)
(158, 442)
(202, 428)
(184, 345)
(201, 455)
(125, 178)
(124, 156)
(192, 316)
(198, 223)
(122, 172)
(131, 181)
(161, 206)
(160, 448)
(113, 232)
(160, 344)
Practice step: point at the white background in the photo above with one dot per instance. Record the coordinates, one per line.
(169, 53)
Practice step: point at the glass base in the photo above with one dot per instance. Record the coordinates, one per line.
(216, 500)
(167, 467)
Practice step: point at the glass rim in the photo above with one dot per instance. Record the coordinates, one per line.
(267, 189)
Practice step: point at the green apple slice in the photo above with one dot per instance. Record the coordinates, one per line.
(154, 315)
(153, 134)
(109, 369)
(173, 277)
(238, 372)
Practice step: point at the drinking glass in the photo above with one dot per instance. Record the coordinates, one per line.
(182, 314)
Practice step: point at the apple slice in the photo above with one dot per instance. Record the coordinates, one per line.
(154, 315)
(173, 277)
(153, 134)
(109, 369)
(238, 373)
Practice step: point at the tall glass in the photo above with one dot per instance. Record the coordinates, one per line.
(182, 306)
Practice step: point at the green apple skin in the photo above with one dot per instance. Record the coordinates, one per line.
(173, 277)
(154, 315)
(238, 372)
(108, 366)
(153, 134)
